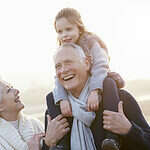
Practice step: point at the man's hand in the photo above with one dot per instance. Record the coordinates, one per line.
(34, 142)
(116, 122)
(56, 129)
(65, 108)
(93, 101)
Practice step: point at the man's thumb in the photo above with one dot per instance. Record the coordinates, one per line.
(120, 107)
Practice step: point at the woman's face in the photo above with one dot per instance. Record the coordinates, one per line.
(10, 101)
(66, 31)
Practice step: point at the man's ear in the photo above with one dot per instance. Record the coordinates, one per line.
(88, 63)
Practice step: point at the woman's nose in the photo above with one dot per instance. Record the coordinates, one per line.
(16, 91)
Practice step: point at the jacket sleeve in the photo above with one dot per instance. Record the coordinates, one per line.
(45, 147)
(139, 135)
(59, 92)
(54, 110)
(99, 68)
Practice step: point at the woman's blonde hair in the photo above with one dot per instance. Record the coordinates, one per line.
(73, 16)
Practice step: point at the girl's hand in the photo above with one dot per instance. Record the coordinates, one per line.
(119, 80)
(93, 101)
(65, 107)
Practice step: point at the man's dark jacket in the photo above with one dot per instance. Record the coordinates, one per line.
(138, 137)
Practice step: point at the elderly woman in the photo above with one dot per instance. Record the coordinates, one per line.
(19, 132)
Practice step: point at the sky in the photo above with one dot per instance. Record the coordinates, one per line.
(28, 39)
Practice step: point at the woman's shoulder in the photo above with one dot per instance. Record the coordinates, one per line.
(29, 118)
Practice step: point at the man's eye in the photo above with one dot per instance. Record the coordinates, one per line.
(57, 66)
(68, 29)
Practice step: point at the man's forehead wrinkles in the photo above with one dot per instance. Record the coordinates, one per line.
(62, 59)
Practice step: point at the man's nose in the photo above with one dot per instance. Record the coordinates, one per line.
(64, 69)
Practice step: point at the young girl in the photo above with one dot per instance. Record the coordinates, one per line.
(70, 28)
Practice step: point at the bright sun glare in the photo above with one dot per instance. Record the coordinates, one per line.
(28, 38)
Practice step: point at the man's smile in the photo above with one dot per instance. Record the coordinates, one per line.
(68, 77)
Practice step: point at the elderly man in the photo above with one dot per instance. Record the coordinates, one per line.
(87, 133)
(19, 132)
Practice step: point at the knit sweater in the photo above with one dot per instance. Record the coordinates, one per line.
(13, 139)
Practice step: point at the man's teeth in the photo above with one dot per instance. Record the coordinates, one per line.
(68, 77)
(67, 40)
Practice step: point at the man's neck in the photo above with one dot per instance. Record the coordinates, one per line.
(76, 93)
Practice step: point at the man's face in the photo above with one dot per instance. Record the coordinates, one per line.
(71, 70)
(10, 101)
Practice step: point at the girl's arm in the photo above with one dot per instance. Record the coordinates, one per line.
(99, 67)
(59, 92)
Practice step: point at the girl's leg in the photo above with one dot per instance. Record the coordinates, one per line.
(110, 95)
(110, 102)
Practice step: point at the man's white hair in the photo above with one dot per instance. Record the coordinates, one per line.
(77, 49)
(2, 83)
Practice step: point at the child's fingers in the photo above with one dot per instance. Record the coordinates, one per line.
(69, 110)
(63, 112)
(92, 107)
(88, 107)
(69, 113)
(97, 107)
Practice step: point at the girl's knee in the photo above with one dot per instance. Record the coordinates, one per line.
(109, 82)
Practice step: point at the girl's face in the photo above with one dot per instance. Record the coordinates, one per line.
(66, 31)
